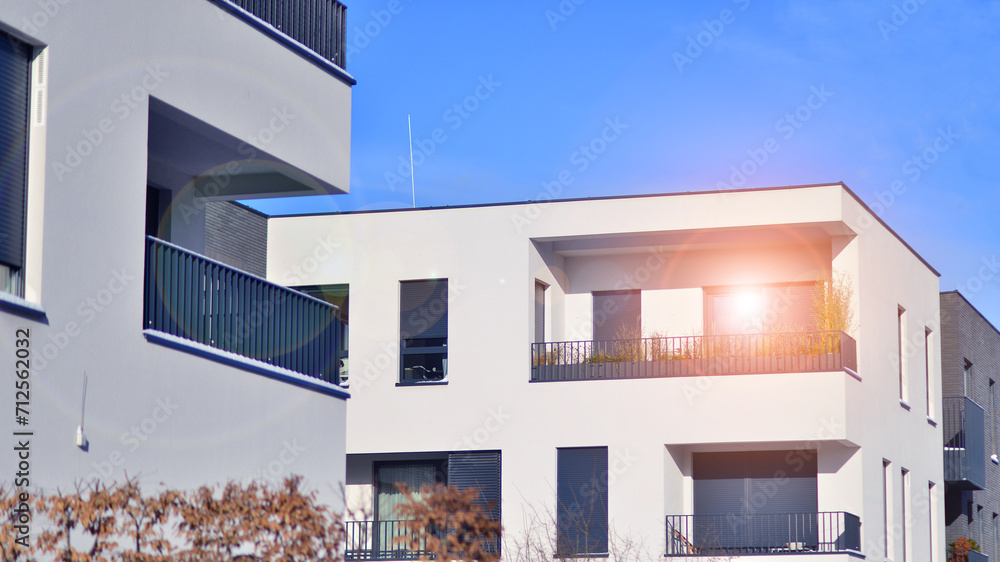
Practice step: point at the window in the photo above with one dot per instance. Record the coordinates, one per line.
(967, 379)
(928, 379)
(582, 496)
(993, 419)
(736, 493)
(753, 310)
(886, 510)
(423, 331)
(15, 84)
(996, 536)
(617, 315)
(338, 295)
(540, 311)
(901, 356)
(904, 497)
(979, 515)
(932, 516)
(469, 469)
(414, 474)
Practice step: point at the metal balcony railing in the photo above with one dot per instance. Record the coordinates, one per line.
(966, 555)
(389, 540)
(199, 299)
(964, 431)
(379, 540)
(763, 533)
(320, 25)
(742, 354)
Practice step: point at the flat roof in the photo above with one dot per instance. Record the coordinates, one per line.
(633, 196)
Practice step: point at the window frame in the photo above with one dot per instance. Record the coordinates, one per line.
(13, 282)
(410, 347)
(596, 548)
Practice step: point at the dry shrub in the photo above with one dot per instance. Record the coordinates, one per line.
(447, 523)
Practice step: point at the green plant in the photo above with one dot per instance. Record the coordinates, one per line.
(832, 310)
(964, 543)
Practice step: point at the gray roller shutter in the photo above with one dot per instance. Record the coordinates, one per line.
(747, 499)
(616, 312)
(423, 309)
(793, 307)
(15, 58)
(479, 470)
(582, 495)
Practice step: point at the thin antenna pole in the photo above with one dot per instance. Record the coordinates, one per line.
(413, 184)
(83, 401)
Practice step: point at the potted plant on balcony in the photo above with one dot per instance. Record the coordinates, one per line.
(958, 551)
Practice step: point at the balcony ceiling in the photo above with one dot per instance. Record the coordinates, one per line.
(678, 240)
(184, 151)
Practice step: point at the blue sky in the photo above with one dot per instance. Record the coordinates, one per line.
(900, 100)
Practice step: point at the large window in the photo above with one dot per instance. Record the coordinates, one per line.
(582, 496)
(469, 469)
(338, 295)
(423, 331)
(753, 310)
(617, 315)
(15, 79)
(742, 500)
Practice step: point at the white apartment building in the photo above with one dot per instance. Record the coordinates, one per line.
(643, 367)
(122, 123)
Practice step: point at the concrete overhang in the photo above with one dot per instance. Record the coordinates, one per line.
(187, 152)
(701, 239)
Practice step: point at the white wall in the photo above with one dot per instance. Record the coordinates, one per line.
(650, 426)
(86, 247)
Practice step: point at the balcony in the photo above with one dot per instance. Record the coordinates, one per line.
(964, 443)
(319, 25)
(966, 555)
(196, 299)
(763, 533)
(685, 356)
(379, 540)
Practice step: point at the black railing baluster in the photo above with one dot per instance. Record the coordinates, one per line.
(694, 355)
(318, 24)
(762, 533)
(196, 298)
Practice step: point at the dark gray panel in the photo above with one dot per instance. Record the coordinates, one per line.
(423, 309)
(582, 495)
(790, 308)
(479, 470)
(15, 79)
(616, 312)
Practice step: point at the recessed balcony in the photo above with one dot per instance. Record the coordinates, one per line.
(191, 298)
(685, 356)
(763, 533)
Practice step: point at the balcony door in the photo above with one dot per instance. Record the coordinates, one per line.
(755, 502)
(755, 310)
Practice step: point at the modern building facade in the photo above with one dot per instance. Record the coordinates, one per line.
(125, 129)
(970, 370)
(647, 369)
